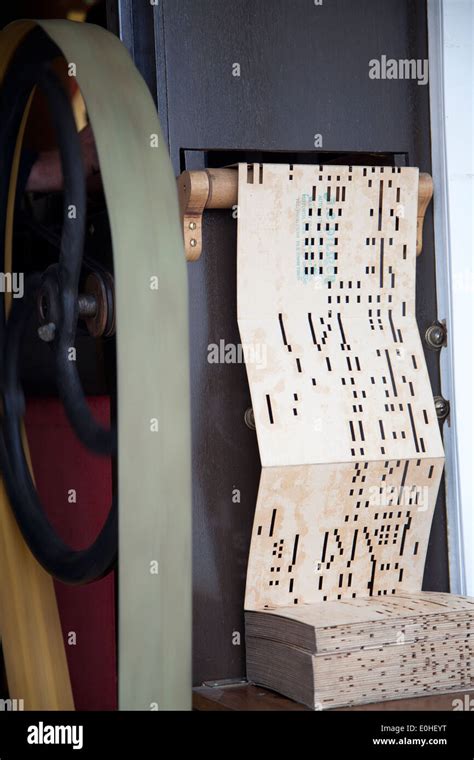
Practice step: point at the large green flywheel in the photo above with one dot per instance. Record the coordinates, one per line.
(149, 525)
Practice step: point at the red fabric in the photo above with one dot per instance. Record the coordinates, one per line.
(60, 464)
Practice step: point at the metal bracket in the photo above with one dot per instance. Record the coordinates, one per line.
(225, 682)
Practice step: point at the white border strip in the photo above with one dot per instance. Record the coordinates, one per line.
(444, 264)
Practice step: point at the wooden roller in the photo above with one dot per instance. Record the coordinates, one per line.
(218, 188)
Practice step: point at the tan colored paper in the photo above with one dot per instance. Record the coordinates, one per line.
(347, 430)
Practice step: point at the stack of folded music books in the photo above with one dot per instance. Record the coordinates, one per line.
(352, 651)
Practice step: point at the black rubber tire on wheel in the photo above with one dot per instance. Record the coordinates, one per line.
(31, 67)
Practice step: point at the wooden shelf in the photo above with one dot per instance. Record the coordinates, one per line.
(247, 697)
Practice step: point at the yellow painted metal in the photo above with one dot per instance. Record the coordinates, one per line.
(32, 640)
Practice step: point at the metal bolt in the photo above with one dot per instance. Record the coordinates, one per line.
(192, 225)
(87, 305)
(435, 336)
(442, 407)
(47, 332)
(249, 418)
(193, 243)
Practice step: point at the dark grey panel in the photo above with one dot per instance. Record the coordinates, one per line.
(304, 70)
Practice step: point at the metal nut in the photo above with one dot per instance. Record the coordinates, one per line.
(442, 407)
(249, 418)
(435, 336)
(47, 332)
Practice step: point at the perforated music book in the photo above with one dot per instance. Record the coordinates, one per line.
(348, 436)
(352, 651)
